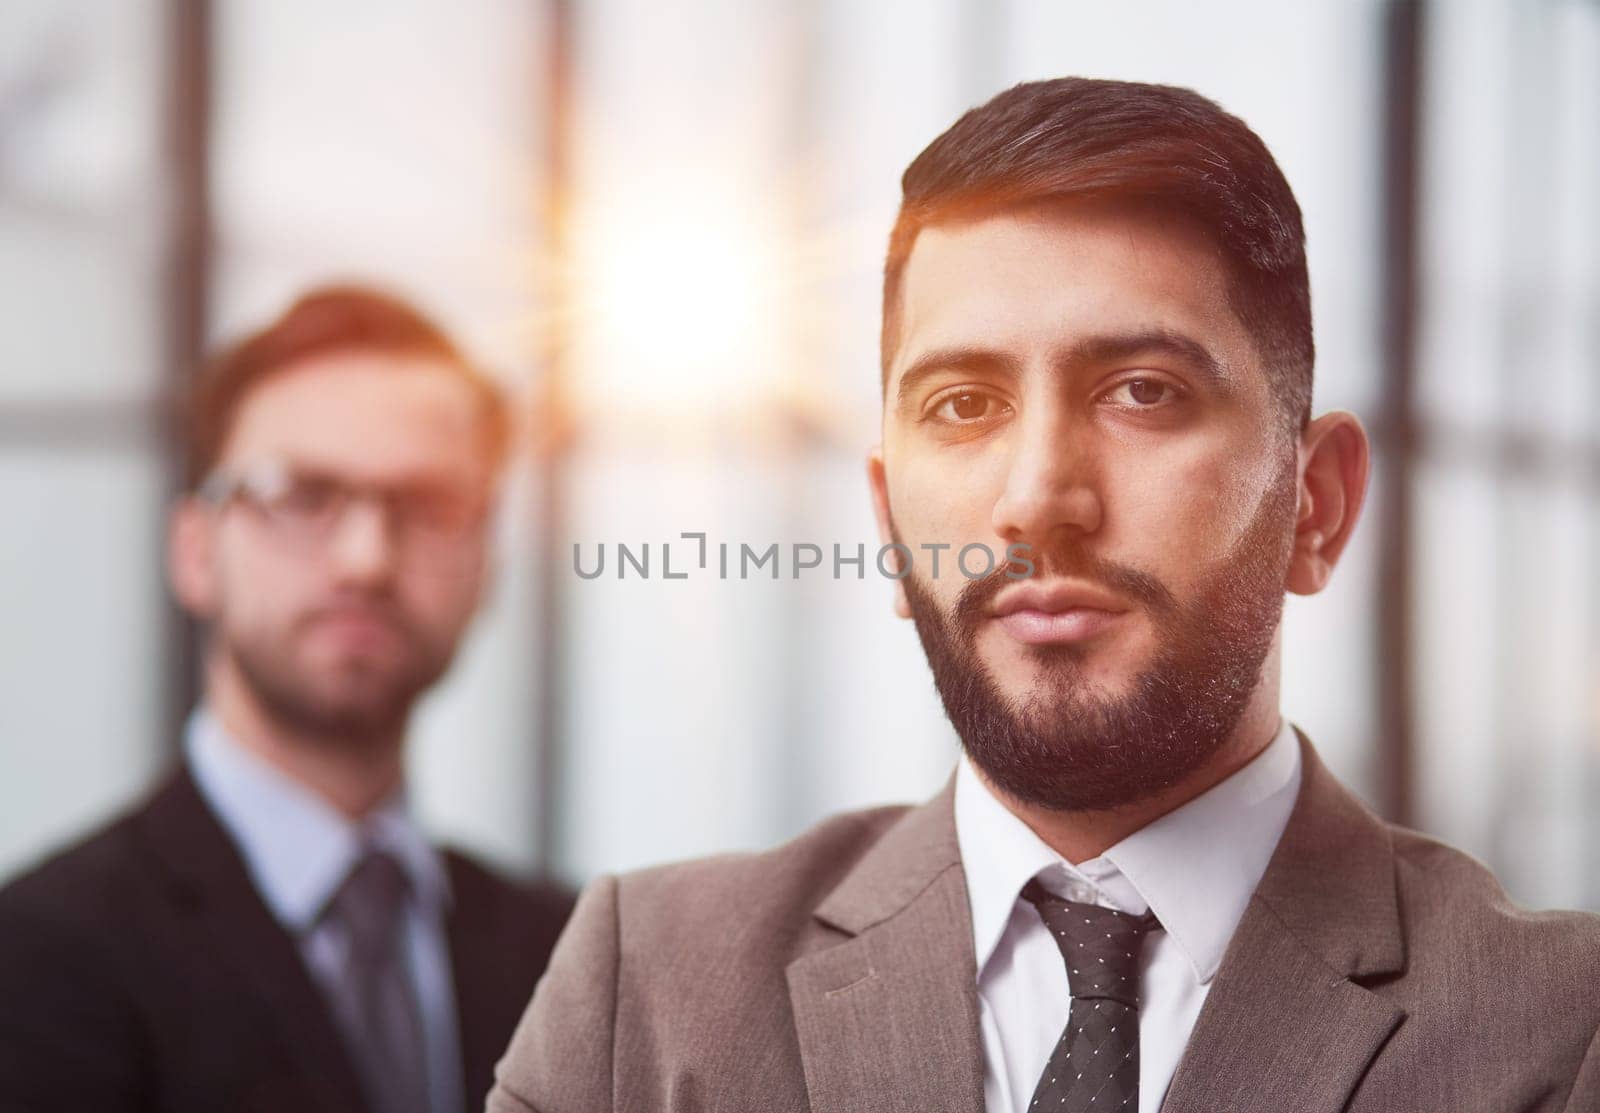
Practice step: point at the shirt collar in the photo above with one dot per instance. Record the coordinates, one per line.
(1195, 866)
(297, 848)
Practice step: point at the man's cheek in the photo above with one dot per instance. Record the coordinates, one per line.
(1179, 515)
(938, 506)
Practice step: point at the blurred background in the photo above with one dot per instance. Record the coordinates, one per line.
(663, 226)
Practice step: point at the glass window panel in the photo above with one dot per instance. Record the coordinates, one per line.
(397, 143)
(1458, 656)
(1546, 673)
(81, 679)
(80, 200)
(677, 742)
(1507, 387)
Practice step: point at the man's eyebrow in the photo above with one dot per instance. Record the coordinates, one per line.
(971, 360)
(1091, 351)
(1119, 347)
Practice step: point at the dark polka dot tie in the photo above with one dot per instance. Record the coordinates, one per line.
(1095, 1065)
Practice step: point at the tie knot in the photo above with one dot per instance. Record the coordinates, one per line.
(369, 903)
(1101, 946)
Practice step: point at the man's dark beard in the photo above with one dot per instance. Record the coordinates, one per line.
(372, 711)
(1066, 750)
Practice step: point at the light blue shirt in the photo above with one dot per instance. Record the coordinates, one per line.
(298, 850)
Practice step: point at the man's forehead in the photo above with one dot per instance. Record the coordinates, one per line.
(1019, 275)
(362, 411)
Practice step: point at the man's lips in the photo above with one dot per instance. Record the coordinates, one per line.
(1056, 613)
(356, 627)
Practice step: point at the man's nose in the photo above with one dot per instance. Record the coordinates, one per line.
(363, 548)
(1052, 486)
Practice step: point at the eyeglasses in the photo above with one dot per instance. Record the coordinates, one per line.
(436, 527)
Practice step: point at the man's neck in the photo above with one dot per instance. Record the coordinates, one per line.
(353, 777)
(1079, 836)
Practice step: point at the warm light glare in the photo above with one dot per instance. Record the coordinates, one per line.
(679, 306)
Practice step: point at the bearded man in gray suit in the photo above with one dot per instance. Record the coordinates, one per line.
(1141, 890)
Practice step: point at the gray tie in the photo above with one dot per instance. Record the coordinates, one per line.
(373, 1000)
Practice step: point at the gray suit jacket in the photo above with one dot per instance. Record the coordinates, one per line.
(1374, 969)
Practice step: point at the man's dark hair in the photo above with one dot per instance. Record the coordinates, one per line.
(328, 319)
(1156, 145)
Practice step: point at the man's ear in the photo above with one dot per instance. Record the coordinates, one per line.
(878, 481)
(191, 555)
(1334, 457)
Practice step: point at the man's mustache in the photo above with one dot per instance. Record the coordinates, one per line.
(1065, 557)
(380, 608)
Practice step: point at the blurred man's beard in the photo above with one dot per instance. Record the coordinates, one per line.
(1067, 749)
(365, 703)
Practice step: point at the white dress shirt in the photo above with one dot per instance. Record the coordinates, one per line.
(298, 851)
(1195, 867)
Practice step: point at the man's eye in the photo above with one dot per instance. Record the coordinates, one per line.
(1144, 393)
(307, 498)
(442, 513)
(967, 405)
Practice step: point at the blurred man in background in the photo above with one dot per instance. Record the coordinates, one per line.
(1141, 890)
(271, 931)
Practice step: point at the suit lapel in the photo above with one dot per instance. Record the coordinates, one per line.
(1284, 1026)
(1280, 1029)
(223, 916)
(887, 1018)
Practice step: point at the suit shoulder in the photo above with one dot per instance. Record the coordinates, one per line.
(478, 884)
(74, 883)
(1447, 893)
(519, 920)
(781, 885)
